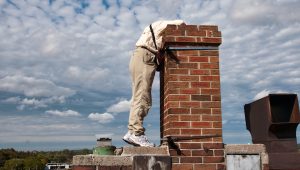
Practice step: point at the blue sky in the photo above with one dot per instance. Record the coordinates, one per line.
(64, 76)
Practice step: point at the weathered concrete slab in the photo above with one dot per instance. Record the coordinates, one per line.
(245, 148)
(131, 158)
(102, 160)
(129, 151)
(248, 149)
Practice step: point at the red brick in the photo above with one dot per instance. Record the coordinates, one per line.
(200, 72)
(175, 160)
(190, 131)
(190, 91)
(211, 91)
(195, 33)
(178, 71)
(189, 78)
(178, 98)
(217, 140)
(200, 84)
(212, 118)
(189, 104)
(212, 104)
(188, 159)
(216, 111)
(202, 152)
(208, 27)
(171, 65)
(183, 58)
(212, 40)
(201, 124)
(172, 77)
(198, 59)
(173, 31)
(188, 53)
(215, 72)
(210, 78)
(209, 53)
(172, 91)
(178, 84)
(201, 111)
(209, 66)
(170, 28)
(174, 152)
(205, 166)
(190, 27)
(217, 34)
(212, 132)
(188, 65)
(187, 39)
(179, 124)
(171, 104)
(189, 118)
(168, 39)
(213, 159)
(219, 152)
(182, 166)
(216, 98)
(217, 124)
(213, 145)
(204, 140)
(223, 167)
(171, 132)
(214, 59)
(172, 118)
(215, 84)
(201, 97)
(178, 111)
(190, 145)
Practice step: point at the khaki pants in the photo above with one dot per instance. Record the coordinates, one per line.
(142, 68)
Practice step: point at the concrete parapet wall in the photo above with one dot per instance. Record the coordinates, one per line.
(247, 150)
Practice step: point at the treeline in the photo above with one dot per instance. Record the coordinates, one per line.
(11, 159)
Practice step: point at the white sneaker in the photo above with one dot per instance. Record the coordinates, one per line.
(140, 141)
(127, 139)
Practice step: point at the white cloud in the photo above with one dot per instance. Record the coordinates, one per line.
(33, 102)
(104, 135)
(63, 113)
(101, 118)
(264, 12)
(121, 106)
(33, 87)
(61, 50)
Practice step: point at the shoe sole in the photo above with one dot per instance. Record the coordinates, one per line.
(131, 143)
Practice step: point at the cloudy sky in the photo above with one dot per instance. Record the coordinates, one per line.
(64, 76)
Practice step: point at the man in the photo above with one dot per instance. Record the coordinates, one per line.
(142, 67)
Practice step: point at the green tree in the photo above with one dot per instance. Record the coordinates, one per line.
(14, 164)
(33, 163)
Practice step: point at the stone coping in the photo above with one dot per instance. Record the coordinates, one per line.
(245, 148)
(130, 151)
(85, 160)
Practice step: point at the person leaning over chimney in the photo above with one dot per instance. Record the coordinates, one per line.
(143, 64)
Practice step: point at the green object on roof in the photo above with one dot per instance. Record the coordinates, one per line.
(104, 150)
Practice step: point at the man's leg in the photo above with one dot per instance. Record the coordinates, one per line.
(142, 68)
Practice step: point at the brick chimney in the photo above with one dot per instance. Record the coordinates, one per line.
(190, 96)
